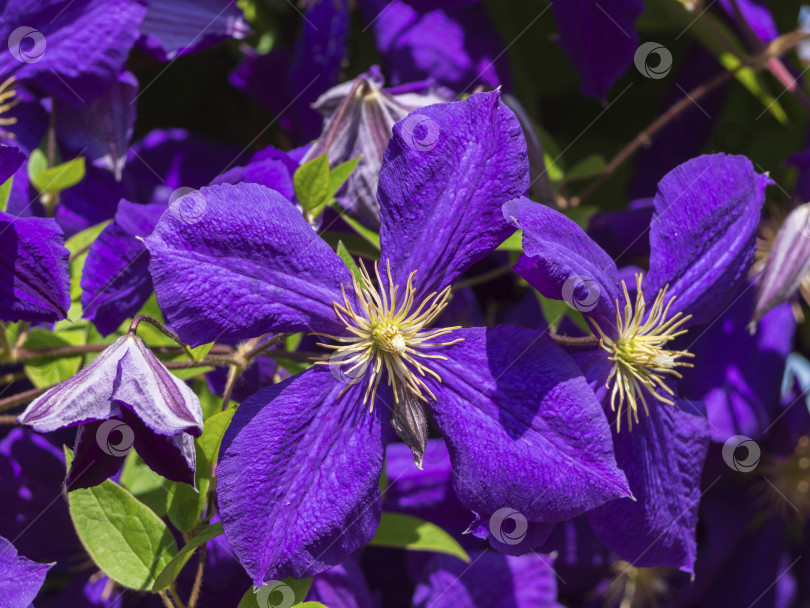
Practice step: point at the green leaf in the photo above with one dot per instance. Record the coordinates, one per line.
(213, 431)
(59, 178)
(45, 371)
(37, 163)
(5, 190)
(310, 605)
(348, 260)
(369, 235)
(590, 166)
(513, 243)
(311, 182)
(184, 503)
(339, 175)
(124, 537)
(80, 242)
(173, 568)
(199, 352)
(274, 595)
(146, 485)
(407, 532)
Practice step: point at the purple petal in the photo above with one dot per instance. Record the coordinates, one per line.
(490, 580)
(524, 430)
(344, 586)
(101, 130)
(70, 50)
(663, 458)
(176, 27)
(601, 42)
(459, 49)
(563, 263)
(34, 280)
(20, 578)
(755, 14)
(703, 233)
(125, 373)
(172, 456)
(92, 201)
(447, 171)
(738, 375)
(231, 262)
(269, 167)
(115, 280)
(298, 477)
(10, 160)
(93, 461)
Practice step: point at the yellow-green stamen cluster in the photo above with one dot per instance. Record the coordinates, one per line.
(640, 359)
(388, 338)
(7, 101)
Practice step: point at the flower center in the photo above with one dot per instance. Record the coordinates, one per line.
(388, 335)
(640, 358)
(7, 101)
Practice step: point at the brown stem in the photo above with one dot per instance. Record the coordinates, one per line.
(8, 419)
(195, 590)
(645, 137)
(255, 352)
(176, 596)
(24, 397)
(575, 340)
(166, 601)
(133, 328)
(233, 373)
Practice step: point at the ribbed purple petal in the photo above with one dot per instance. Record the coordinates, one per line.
(563, 263)
(523, 428)
(34, 280)
(703, 232)
(70, 50)
(600, 39)
(344, 586)
(115, 280)
(663, 458)
(236, 261)
(298, 476)
(490, 580)
(176, 27)
(20, 578)
(447, 171)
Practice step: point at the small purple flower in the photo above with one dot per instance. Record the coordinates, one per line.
(298, 476)
(358, 118)
(124, 398)
(20, 578)
(702, 241)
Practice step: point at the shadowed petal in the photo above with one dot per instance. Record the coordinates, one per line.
(93, 461)
(236, 261)
(20, 578)
(447, 171)
(562, 262)
(703, 232)
(34, 280)
(298, 476)
(523, 428)
(344, 586)
(663, 458)
(600, 40)
(115, 279)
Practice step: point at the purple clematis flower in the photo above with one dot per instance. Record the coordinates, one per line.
(20, 578)
(702, 240)
(125, 397)
(358, 118)
(298, 477)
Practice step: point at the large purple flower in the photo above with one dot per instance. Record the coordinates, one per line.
(298, 478)
(20, 578)
(702, 240)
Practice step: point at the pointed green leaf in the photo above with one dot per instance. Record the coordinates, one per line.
(37, 163)
(277, 594)
(213, 432)
(124, 537)
(5, 190)
(173, 568)
(339, 175)
(348, 260)
(311, 182)
(199, 352)
(146, 485)
(60, 177)
(369, 235)
(407, 532)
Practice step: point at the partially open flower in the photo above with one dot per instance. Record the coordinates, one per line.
(125, 398)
